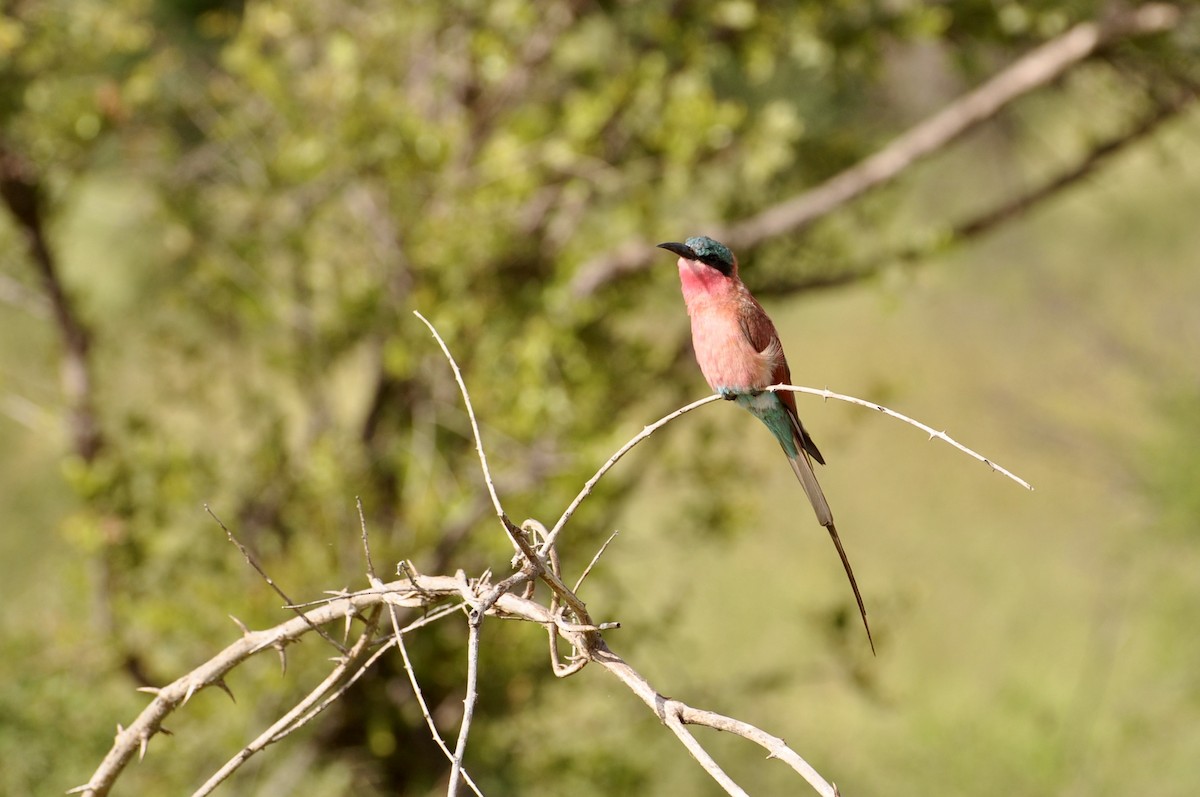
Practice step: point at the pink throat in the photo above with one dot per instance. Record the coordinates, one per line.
(699, 281)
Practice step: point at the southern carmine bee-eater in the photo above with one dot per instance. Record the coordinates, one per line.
(740, 355)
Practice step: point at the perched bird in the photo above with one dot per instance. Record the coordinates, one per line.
(740, 354)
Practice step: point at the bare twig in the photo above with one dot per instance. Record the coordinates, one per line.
(552, 537)
(362, 521)
(940, 238)
(474, 622)
(622, 451)
(775, 747)
(828, 394)
(534, 558)
(168, 698)
(412, 678)
(303, 711)
(673, 711)
(287, 602)
(1035, 69)
(1163, 111)
(487, 474)
(551, 578)
(673, 721)
(514, 533)
(414, 593)
(595, 559)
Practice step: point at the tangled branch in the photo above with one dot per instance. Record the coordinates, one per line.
(565, 618)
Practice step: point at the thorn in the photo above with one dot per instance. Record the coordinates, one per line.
(150, 690)
(282, 657)
(161, 729)
(224, 687)
(241, 625)
(191, 690)
(79, 789)
(608, 626)
(143, 740)
(771, 755)
(120, 729)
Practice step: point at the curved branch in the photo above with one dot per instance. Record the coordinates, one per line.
(552, 537)
(622, 451)
(673, 711)
(829, 394)
(1164, 110)
(462, 387)
(1035, 69)
(346, 672)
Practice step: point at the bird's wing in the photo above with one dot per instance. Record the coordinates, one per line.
(761, 333)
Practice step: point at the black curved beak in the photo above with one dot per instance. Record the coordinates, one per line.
(682, 250)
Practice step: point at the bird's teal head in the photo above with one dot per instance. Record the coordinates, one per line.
(707, 251)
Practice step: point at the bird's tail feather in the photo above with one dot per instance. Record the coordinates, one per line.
(862, 610)
(808, 480)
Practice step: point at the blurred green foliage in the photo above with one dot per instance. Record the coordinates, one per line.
(249, 201)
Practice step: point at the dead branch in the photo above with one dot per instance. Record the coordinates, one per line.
(345, 673)
(418, 591)
(250, 560)
(483, 599)
(474, 622)
(1035, 69)
(1163, 112)
(941, 435)
(21, 191)
(646, 431)
(404, 593)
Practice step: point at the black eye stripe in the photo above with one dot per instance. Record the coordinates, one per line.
(716, 262)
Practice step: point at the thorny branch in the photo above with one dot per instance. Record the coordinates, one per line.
(347, 671)
(552, 537)
(482, 599)
(941, 435)
(414, 592)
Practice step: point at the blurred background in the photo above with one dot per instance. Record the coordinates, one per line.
(219, 218)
